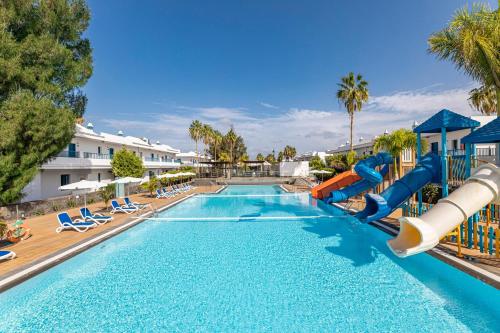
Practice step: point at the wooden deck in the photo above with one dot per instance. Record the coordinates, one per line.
(46, 242)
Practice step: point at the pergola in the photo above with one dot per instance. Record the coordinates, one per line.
(442, 122)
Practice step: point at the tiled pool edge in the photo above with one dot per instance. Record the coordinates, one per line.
(30, 270)
(474, 271)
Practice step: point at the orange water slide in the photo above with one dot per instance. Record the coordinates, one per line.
(344, 179)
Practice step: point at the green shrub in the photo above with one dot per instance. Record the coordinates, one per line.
(107, 193)
(430, 193)
(71, 203)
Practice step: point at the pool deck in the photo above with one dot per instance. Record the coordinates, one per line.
(48, 246)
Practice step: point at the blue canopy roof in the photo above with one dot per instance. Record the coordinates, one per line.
(448, 119)
(489, 133)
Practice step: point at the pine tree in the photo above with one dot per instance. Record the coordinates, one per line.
(44, 61)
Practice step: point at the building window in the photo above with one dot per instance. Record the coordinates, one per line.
(99, 151)
(111, 153)
(72, 150)
(98, 176)
(64, 180)
(434, 147)
(454, 144)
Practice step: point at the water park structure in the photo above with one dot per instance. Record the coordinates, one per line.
(479, 186)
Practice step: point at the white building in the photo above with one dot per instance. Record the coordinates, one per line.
(362, 148)
(191, 158)
(483, 151)
(309, 155)
(88, 156)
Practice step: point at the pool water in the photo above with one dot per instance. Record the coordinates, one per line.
(237, 262)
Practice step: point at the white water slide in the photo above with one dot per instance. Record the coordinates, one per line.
(419, 234)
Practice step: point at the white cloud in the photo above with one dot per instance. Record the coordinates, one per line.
(306, 129)
(268, 105)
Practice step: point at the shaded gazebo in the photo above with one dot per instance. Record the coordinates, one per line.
(442, 122)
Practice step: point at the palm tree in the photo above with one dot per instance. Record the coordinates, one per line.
(207, 135)
(260, 157)
(231, 138)
(353, 92)
(216, 141)
(483, 99)
(472, 42)
(195, 132)
(289, 152)
(280, 156)
(396, 142)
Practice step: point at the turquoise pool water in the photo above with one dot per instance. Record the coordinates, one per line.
(237, 262)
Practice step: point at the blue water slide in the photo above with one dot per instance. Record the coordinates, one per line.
(379, 206)
(370, 177)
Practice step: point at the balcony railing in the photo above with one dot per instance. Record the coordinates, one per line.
(71, 154)
(96, 156)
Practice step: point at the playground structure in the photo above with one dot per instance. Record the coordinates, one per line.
(465, 216)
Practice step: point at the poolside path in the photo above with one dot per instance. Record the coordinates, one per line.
(46, 242)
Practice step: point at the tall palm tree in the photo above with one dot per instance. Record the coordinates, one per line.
(289, 152)
(231, 139)
(472, 42)
(483, 99)
(396, 142)
(217, 139)
(195, 132)
(353, 92)
(207, 135)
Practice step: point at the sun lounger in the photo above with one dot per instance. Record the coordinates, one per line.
(121, 209)
(96, 217)
(131, 204)
(66, 222)
(4, 255)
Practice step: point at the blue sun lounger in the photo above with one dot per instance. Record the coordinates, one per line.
(4, 255)
(121, 209)
(65, 222)
(96, 217)
(131, 204)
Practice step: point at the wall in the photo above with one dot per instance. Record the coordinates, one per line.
(294, 169)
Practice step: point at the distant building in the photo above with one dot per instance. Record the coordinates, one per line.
(191, 158)
(309, 155)
(362, 148)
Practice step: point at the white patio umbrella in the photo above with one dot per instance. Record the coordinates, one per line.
(319, 172)
(168, 175)
(127, 180)
(83, 185)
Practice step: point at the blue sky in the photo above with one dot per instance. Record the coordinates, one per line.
(270, 68)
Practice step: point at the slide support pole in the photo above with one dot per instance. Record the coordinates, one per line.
(419, 155)
(444, 164)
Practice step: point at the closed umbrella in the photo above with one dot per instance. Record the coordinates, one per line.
(83, 185)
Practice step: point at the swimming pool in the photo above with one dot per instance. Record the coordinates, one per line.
(241, 262)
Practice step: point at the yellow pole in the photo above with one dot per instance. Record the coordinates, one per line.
(497, 243)
(466, 231)
(488, 218)
(459, 243)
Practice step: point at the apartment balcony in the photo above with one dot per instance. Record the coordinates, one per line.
(156, 162)
(74, 160)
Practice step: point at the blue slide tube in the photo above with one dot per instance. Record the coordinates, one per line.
(370, 177)
(379, 206)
